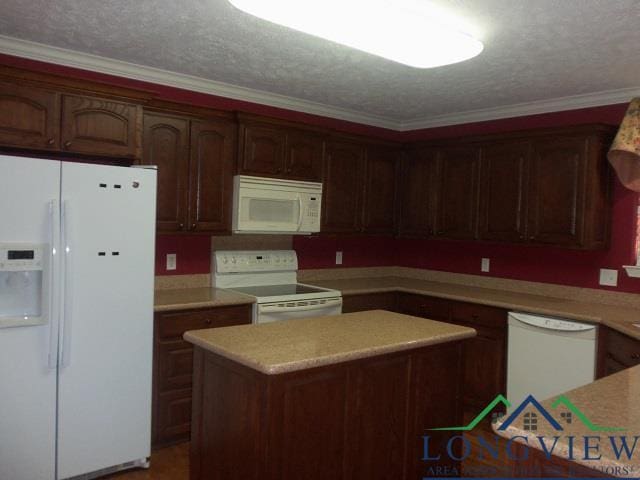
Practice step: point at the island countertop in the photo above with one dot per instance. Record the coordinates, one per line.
(609, 407)
(280, 347)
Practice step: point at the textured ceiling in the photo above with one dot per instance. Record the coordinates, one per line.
(534, 50)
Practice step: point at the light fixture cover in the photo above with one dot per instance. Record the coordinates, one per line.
(411, 32)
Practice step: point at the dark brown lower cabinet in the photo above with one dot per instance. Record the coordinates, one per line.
(173, 367)
(616, 352)
(354, 420)
(368, 301)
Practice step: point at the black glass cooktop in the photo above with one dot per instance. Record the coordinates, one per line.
(277, 290)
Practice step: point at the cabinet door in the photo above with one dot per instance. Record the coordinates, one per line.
(29, 117)
(303, 156)
(379, 190)
(416, 193)
(262, 151)
(503, 192)
(556, 191)
(166, 145)
(211, 176)
(457, 192)
(342, 192)
(370, 301)
(99, 126)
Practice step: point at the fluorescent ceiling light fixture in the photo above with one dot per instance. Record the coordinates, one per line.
(411, 32)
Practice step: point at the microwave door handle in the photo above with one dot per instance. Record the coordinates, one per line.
(300, 218)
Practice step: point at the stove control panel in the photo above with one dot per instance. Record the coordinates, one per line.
(248, 261)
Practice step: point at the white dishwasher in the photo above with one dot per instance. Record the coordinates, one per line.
(548, 356)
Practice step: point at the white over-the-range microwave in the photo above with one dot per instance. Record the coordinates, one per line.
(270, 205)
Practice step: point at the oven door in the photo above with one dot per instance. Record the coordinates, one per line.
(276, 311)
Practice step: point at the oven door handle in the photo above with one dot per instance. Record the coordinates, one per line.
(302, 308)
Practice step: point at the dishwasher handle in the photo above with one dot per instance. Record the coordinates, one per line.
(549, 323)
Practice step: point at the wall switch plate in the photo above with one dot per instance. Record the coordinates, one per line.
(338, 258)
(171, 261)
(608, 277)
(485, 265)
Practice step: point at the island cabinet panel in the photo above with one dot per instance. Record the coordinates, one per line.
(342, 187)
(173, 367)
(30, 117)
(416, 187)
(534, 463)
(370, 301)
(457, 192)
(616, 352)
(503, 187)
(101, 126)
(166, 145)
(211, 175)
(262, 149)
(379, 190)
(352, 420)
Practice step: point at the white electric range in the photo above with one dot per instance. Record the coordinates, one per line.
(271, 277)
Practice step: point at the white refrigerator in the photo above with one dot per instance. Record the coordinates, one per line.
(76, 318)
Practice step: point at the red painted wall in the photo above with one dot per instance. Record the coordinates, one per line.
(528, 263)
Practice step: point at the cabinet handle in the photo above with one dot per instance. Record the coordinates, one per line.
(635, 356)
(67, 144)
(207, 321)
(181, 226)
(278, 170)
(51, 141)
(193, 226)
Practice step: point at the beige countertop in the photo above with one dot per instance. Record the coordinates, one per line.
(617, 317)
(287, 346)
(611, 402)
(185, 298)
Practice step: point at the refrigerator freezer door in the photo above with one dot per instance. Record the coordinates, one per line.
(104, 399)
(29, 195)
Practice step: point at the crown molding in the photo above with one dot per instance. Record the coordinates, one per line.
(574, 102)
(95, 63)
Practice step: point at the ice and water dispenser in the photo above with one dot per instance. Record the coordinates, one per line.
(23, 284)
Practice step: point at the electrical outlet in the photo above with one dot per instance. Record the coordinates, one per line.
(608, 277)
(171, 261)
(338, 258)
(485, 265)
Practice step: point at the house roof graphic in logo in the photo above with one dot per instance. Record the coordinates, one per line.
(532, 412)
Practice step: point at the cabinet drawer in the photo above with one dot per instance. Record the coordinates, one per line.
(432, 308)
(175, 365)
(174, 324)
(622, 350)
(474, 314)
(369, 301)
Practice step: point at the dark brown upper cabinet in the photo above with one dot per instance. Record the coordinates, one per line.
(415, 192)
(279, 151)
(195, 159)
(379, 190)
(457, 192)
(166, 145)
(262, 150)
(211, 175)
(303, 159)
(569, 191)
(342, 187)
(30, 117)
(100, 126)
(503, 187)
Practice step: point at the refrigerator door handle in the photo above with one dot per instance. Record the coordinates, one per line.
(66, 302)
(52, 359)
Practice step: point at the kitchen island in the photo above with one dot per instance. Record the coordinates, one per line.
(339, 397)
